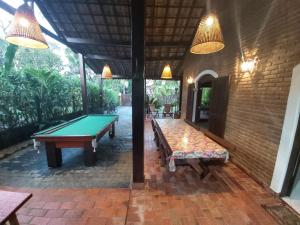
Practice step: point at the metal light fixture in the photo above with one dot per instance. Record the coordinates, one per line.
(106, 72)
(24, 29)
(190, 80)
(248, 66)
(209, 38)
(167, 73)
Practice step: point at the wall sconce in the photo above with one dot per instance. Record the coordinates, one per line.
(248, 66)
(190, 80)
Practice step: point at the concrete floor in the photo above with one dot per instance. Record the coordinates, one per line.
(27, 168)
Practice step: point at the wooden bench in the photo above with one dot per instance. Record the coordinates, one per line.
(10, 202)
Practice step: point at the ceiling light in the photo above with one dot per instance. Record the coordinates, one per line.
(208, 38)
(24, 29)
(106, 72)
(167, 73)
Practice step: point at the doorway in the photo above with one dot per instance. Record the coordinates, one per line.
(207, 102)
(203, 101)
(291, 187)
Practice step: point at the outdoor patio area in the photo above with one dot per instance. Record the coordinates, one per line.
(113, 168)
(150, 112)
(178, 199)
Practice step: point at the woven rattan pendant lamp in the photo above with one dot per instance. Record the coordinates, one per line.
(167, 73)
(208, 38)
(24, 29)
(106, 72)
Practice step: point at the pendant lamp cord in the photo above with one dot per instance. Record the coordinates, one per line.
(208, 6)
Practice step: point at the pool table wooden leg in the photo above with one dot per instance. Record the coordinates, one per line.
(90, 157)
(54, 157)
(112, 130)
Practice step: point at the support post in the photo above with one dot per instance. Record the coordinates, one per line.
(83, 83)
(101, 94)
(138, 65)
(180, 92)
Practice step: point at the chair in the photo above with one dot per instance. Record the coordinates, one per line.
(168, 110)
(153, 111)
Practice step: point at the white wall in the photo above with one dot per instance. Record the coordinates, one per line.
(288, 132)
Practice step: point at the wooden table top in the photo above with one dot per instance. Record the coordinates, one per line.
(10, 202)
(187, 142)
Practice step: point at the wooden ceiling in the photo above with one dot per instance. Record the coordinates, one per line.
(101, 30)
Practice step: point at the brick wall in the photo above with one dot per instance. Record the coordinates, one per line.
(270, 31)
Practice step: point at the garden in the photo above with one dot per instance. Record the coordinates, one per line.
(39, 89)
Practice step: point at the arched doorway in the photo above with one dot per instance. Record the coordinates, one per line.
(207, 102)
(202, 97)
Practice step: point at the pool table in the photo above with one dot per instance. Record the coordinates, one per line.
(82, 132)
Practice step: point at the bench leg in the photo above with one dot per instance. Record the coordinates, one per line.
(54, 156)
(163, 160)
(13, 220)
(90, 157)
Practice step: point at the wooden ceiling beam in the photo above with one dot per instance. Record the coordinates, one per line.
(111, 58)
(86, 41)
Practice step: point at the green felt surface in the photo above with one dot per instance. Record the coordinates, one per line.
(89, 125)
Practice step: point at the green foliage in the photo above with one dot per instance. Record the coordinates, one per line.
(110, 99)
(34, 91)
(36, 96)
(206, 92)
(163, 92)
(38, 59)
(10, 53)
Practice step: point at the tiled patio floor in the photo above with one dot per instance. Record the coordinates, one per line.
(167, 199)
(182, 199)
(27, 168)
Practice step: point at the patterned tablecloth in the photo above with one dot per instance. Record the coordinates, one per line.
(186, 142)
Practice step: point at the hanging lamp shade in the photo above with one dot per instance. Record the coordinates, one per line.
(167, 73)
(209, 38)
(106, 72)
(24, 29)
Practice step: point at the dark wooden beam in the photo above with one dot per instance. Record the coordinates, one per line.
(106, 57)
(138, 65)
(83, 83)
(88, 41)
(180, 93)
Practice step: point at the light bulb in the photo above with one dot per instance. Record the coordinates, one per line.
(23, 22)
(209, 21)
(190, 80)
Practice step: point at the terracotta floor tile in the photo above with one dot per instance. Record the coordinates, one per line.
(37, 212)
(52, 205)
(55, 213)
(179, 198)
(39, 221)
(74, 213)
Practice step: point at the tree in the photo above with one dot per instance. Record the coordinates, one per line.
(38, 59)
(9, 56)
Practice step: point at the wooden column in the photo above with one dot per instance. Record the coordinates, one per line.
(138, 64)
(83, 83)
(180, 92)
(101, 93)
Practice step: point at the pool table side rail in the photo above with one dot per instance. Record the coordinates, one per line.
(57, 127)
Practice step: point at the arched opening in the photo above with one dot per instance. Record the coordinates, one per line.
(207, 102)
(202, 96)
